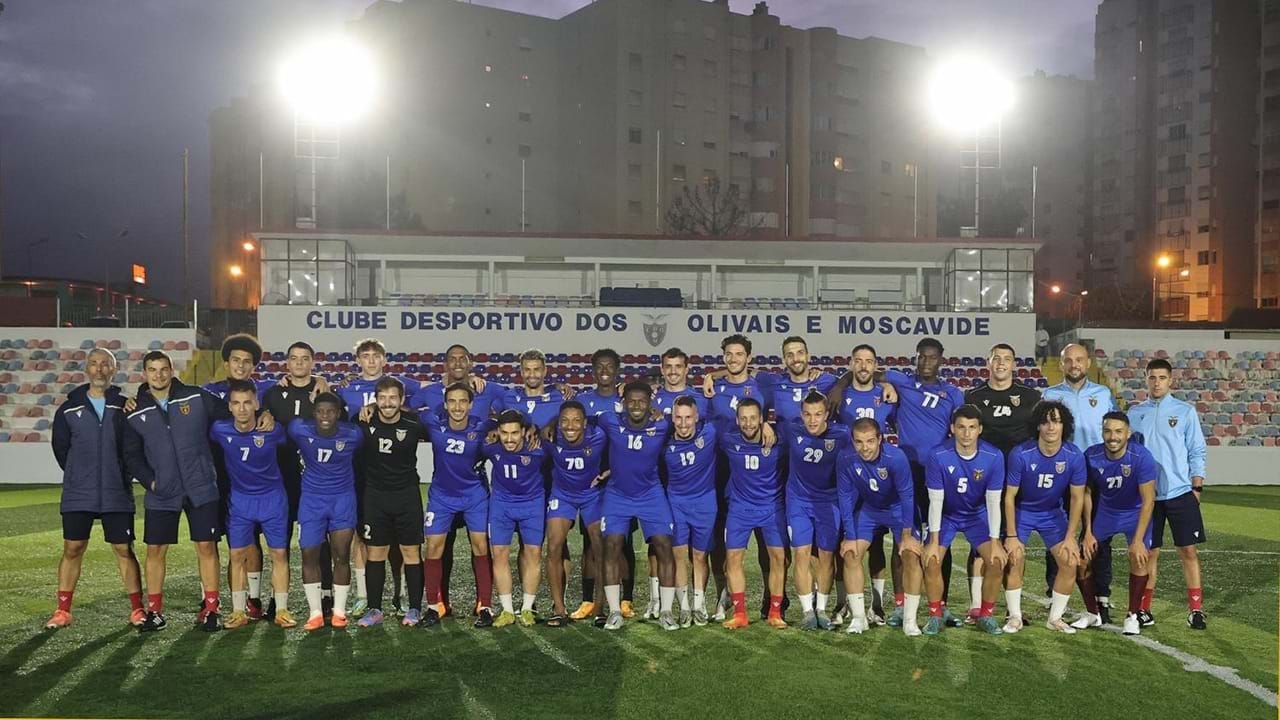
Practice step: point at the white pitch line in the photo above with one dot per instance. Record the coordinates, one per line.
(550, 650)
(474, 707)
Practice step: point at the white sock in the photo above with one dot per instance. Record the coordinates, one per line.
(238, 598)
(666, 597)
(282, 601)
(340, 599)
(700, 599)
(527, 602)
(975, 592)
(255, 584)
(806, 602)
(821, 605)
(1058, 605)
(1013, 599)
(612, 593)
(653, 589)
(857, 605)
(505, 601)
(877, 586)
(909, 608)
(361, 590)
(314, 595)
(683, 593)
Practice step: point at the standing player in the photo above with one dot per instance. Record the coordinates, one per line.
(755, 503)
(1054, 470)
(877, 497)
(327, 512)
(964, 481)
(675, 384)
(813, 508)
(1088, 402)
(458, 488)
(634, 492)
(1122, 478)
(689, 465)
(1171, 431)
(458, 368)
(88, 439)
(577, 452)
(516, 504)
(534, 400)
(166, 448)
(1006, 413)
(392, 501)
(257, 503)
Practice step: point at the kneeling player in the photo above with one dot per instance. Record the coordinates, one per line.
(1056, 466)
(1122, 478)
(327, 509)
(516, 504)
(578, 452)
(257, 501)
(964, 478)
(876, 480)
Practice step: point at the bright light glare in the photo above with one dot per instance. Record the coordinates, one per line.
(1163, 261)
(248, 246)
(328, 80)
(236, 271)
(967, 94)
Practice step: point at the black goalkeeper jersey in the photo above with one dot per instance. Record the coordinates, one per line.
(286, 402)
(389, 456)
(1005, 413)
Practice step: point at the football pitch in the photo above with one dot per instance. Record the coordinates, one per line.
(99, 667)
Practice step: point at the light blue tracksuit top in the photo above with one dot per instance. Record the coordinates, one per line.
(1171, 431)
(1087, 406)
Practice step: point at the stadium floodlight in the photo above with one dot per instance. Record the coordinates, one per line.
(1163, 261)
(329, 80)
(968, 94)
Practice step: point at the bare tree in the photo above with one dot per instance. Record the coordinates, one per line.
(709, 208)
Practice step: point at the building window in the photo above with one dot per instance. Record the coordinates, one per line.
(1202, 229)
(679, 99)
(633, 136)
(708, 174)
(825, 191)
(634, 208)
(708, 32)
(679, 173)
(737, 42)
(1207, 257)
(710, 68)
(1177, 194)
(634, 98)
(1205, 160)
(1270, 302)
(822, 122)
(677, 62)
(524, 116)
(1205, 192)
(1177, 132)
(633, 170)
(886, 167)
(525, 151)
(679, 136)
(766, 42)
(1177, 162)
(635, 62)
(709, 144)
(909, 170)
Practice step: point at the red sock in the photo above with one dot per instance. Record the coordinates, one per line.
(935, 608)
(1137, 589)
(211, 600)
(135, 600)
(155, 601)
(64, 600)
(1089, 593)
(986, 608)
(739, 603)
(1194, 597)
(899, 599)
(775, 606)
(431, 570)
(1146, 598)
(482, 566)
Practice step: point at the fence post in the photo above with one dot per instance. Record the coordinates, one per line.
(126, 312)
(57, 317)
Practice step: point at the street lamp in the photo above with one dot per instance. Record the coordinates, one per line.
(106, 266)
(236, 271)
(1162, 263)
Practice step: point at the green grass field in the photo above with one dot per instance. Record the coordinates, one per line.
(100, 668)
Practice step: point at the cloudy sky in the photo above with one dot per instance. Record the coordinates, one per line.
(98, 100)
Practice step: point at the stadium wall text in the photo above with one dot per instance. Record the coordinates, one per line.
(637, 330)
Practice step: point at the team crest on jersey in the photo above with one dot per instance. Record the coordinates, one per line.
(471, 436)
(1060, 467)
(1125, 470)
(977, 475)
(524, 460)
(655, 329)
(185, 408)
(340, 445)
(830, 445)
(876, 401)
(78, 413)
(1173, 422)
(699, 442)
(651, 431)
(1015, 400)
(1093, 402)
(586, 451)
(259, 441)
(746, 391)
(765, 451)
(883, 473)
(402, 434)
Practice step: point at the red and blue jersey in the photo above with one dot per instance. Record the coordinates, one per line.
(1048, 478)
(575, 467)
(787, 395)
(755, 472)
(328, 461)
(456, 456)
(1116, 482)
(811, 459)
(964, 480)
(858, 404)
(924, 413)
(516, 476)
(883, 484)
(250, 457)
(634, 453)
(690, 464)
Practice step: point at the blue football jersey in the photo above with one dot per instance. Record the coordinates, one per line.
(328, 462)
(250, 457)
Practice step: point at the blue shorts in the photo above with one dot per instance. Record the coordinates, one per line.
(443, 509)
(741, 521)
(651, 510)
(249, 513)
(869, 522)
(568, 506)
(813, 523)
(974, 528)
(1108, 523)
(1051, 524)
(319, 515)
(507, 516)
(695, 521)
